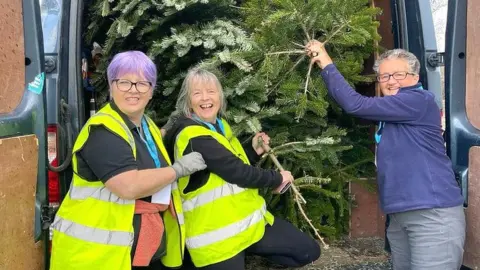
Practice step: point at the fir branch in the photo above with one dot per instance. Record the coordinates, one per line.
(309, 180)
(268, 150)
(308, 77)
(300, 59)
(304, 28)
(286, 52)
(335, 33)
(317, 233)
(298, 196)
(351, 166)
(298, 44)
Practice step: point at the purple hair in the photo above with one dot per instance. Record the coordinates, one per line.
(132, 62)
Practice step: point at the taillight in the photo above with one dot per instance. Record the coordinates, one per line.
(53, 177)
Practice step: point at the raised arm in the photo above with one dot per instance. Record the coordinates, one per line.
(405, 106)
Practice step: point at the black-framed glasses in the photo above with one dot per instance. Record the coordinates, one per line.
(400, 75)
(126, 85)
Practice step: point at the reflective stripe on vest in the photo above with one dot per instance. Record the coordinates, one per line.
(211, 195)
(210, 236)
(227, 231)
(97, 224)
(91, 234)
(180, 218)
(99, 193)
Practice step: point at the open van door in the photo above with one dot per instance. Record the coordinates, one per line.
(413, 30)
(23, 150)
(462, 102)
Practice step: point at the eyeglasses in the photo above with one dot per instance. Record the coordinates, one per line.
(401, 75)
(126, 85)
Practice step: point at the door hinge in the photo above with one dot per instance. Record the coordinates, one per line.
(46, 217)
(436, 59)
(50, 63)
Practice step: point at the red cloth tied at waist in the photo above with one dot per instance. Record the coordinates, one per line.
(151, 230)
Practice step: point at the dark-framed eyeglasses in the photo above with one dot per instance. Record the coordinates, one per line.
(126, 85)
(400, 75)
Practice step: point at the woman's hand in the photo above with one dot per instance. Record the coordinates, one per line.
(287, 178)
(316, 51)
(256, 144)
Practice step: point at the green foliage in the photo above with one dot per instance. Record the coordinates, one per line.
(266, 89)
(312, 138)
(177, 34)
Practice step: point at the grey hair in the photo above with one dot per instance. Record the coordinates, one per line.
(412, 60)
(184, 104)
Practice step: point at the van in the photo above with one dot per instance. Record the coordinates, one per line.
(45, 100)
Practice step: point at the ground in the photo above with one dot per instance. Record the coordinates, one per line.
(346, 254)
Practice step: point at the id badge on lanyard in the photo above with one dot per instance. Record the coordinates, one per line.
(163, 195)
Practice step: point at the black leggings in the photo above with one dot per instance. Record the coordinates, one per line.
(282, 244)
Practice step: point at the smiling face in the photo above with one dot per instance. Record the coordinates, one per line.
(131, 102)
(205, 100)
(392, 85)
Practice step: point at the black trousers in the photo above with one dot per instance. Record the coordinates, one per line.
(281, 244)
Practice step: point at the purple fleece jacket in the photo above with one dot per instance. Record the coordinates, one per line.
(414, 171)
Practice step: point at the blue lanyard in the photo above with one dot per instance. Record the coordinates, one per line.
(152, 149)
(212, 128)
(378, 134)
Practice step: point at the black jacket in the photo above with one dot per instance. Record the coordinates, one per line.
(221, 161)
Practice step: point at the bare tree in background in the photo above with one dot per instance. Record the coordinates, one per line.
(438, 4)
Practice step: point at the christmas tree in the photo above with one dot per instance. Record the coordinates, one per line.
(256, 49)
(280, 92)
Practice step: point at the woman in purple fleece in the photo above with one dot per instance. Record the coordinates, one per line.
(417, 187)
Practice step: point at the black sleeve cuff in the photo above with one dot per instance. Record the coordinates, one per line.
(277, 180)
(252, 156)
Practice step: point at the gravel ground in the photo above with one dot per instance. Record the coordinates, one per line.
(347, 254)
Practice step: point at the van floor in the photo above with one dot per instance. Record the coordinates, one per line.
(345, 254)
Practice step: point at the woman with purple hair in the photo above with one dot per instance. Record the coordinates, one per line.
(123, 209)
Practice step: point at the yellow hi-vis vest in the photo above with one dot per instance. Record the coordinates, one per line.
(93, 228)
(221, 219)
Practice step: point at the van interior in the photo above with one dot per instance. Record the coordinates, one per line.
(70, 99)
(70, 64)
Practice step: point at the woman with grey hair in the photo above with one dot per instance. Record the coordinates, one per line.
(225, 217)
(417, 187)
